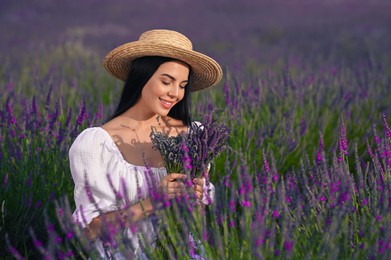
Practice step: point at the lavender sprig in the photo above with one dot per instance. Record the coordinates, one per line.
(203, 142)
(170, 148)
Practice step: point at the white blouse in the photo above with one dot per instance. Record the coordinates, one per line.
(94, 155)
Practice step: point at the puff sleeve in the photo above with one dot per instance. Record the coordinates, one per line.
(93, 161)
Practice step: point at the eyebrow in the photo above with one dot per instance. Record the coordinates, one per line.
(171, 77)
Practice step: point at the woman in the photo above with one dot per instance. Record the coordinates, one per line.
(114, 166)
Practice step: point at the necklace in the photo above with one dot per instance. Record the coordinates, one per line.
(158, 120)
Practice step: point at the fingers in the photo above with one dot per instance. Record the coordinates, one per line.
(175, 188)
(199, 187)
(172, 184)
(199, 181)
(175, 176)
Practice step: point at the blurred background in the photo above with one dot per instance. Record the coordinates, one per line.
(236, 33)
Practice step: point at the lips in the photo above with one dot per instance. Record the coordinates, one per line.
(166, 104)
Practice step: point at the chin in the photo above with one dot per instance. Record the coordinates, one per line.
(163, 113)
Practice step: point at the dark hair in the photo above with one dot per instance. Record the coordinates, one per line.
(141, 71)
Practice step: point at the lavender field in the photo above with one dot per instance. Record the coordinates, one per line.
(306, 94)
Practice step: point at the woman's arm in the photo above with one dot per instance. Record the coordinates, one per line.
(119, 219)
(124, 218)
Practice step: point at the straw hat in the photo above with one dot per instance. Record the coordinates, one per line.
(206, 72)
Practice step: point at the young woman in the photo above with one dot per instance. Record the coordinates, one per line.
(113, 165)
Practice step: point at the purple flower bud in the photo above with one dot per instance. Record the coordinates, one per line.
(232, 205)
(387, 128)
(69, 235)
(232, 223)
(364, 202)
(5, 180)
(266, 164)
(34, 106)
(288, 245)
(99, 113)
(343, 142)
(276, 214)
(60, 212)
(10, 112)
(58, 240)
(303, 126)
(82, 115)
(38, 204)
(47, 104)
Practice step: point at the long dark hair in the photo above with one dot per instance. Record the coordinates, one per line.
(141, 71)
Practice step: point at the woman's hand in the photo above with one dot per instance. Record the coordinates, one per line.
(172, 184)
(199, 187)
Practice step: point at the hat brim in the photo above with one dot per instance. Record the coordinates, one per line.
(206, 72)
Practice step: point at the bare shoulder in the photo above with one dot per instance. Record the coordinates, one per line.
(111, 126)
(116, 129)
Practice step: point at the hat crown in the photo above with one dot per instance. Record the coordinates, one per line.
(168, 37)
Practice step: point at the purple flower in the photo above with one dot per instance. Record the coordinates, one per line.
(58, 239)
(266, 164)
(232, 223)
(34, 106)
(38, 204)
(47, 104)
(15, 253)
(343, 142)
(344, 197)
(193, 151)
(99, 113)
(232, 205)
(288, 245)
(82, 115)
(69, 235)
(28, 181)
(186, 160)
(364, 202)
(5, 180)
(319, 156)
(303, 126)
(276, 214)
(388, 129)
(246, 204)
(11, 117)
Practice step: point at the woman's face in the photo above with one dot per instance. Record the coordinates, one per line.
(165, 88)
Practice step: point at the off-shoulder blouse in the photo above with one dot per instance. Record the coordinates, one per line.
(95, 157)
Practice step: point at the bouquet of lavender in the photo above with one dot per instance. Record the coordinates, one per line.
(170, 148)
(191, 152)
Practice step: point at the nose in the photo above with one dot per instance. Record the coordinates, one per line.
(174, 91)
